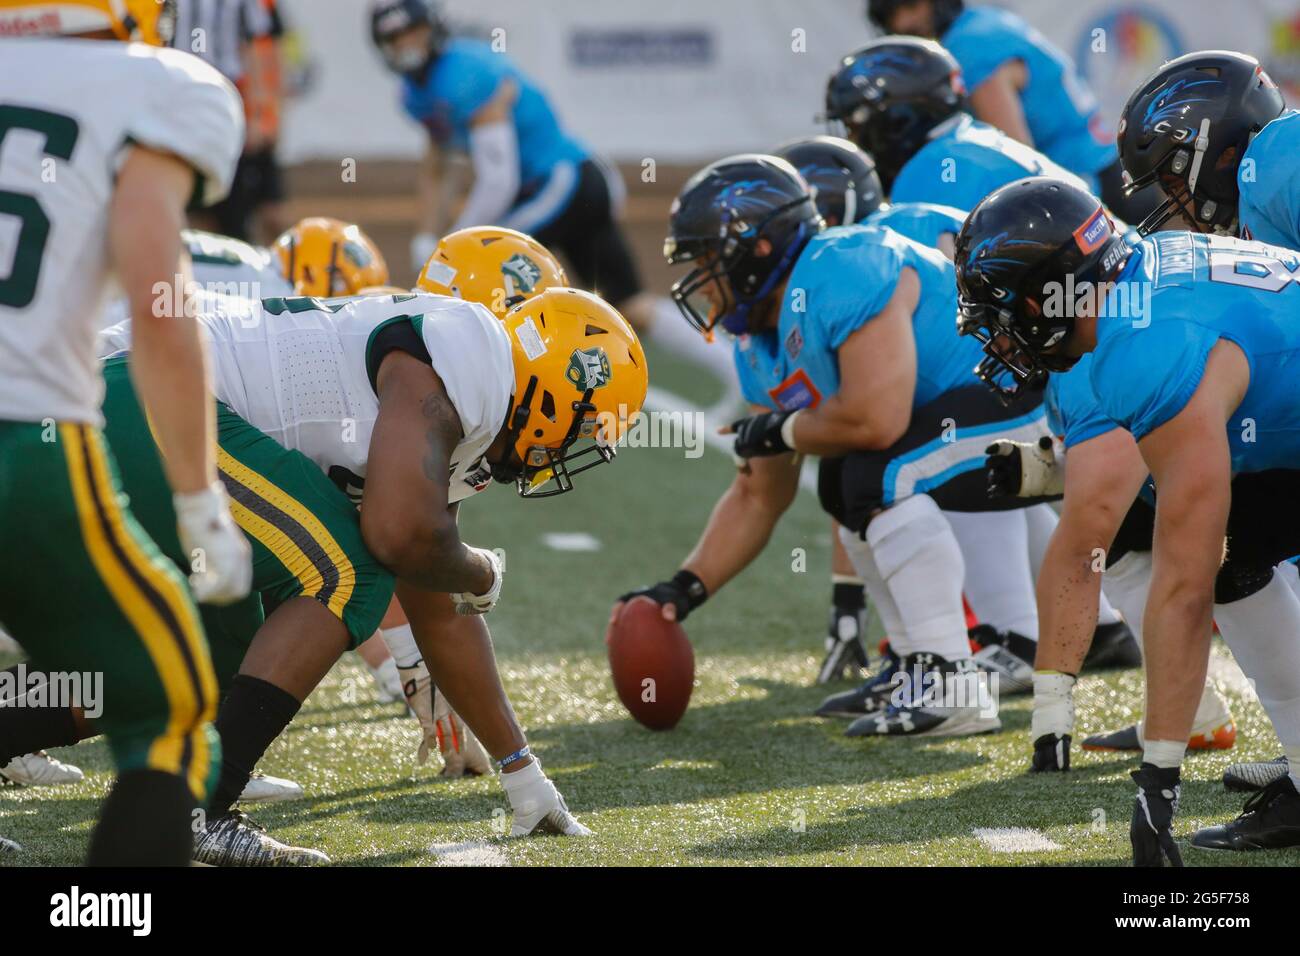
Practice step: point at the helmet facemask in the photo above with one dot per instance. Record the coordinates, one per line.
(1181, 177)
(533, 467)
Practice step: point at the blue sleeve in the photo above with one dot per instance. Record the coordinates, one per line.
(1143, 377)
(841, 311)
(468, 89)
(750, 386)
(979, 47)
(1073, 412)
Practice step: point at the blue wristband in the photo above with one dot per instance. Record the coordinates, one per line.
(520, 754)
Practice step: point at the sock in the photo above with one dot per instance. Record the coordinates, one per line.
(921, 564)
(1164, 753)
(847, 594)
(998, 583)
(401, 644)
(873, 583)
(25, 730)
(674, 334)
(145, 821)
(1263, 633)
(253, 714)
(1128, 581)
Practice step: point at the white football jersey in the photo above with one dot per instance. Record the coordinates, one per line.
(298, 369)
(72, 110)
(232, 267)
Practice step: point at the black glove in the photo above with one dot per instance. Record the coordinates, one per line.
(1152, 828)
(1051, 753)
(760, 435)
(1002, 472)
(685, 592)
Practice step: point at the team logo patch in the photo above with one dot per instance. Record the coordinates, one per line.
(797, 391)
(1090, 236)
(522, 271)
(588, 368)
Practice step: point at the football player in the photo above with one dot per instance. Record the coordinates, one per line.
(98, 176)
(324, 257)
(845, 351)
(529, 172)
(1021, 83)
(1194, 339)
(1210, 130)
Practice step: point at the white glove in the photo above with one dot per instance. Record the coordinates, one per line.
(538, 806)
(221, 561)
(423, 245)
(467, 603)
(1024, 469)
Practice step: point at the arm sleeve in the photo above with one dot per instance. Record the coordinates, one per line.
(750, 386)
(1143, 377)
(194, 113)
(469, 89)
(494, 151)
(1073, 412)
(979, 50)
(469, 348)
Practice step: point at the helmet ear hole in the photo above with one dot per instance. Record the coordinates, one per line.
(548, 405)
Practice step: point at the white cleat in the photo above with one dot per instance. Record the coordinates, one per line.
(387, 681)
(264, 789)
(9, 846)
(40, 770)
(8, 645)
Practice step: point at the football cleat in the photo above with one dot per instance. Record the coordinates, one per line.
(9, 846)
(1008, 655)
(846, 655)
(1221, 737)
(1113, 645)
(1270, 820)
(234, 840)
(387, 681)
(933, 698)
(867, 697)
(264, 789)
(8, 645)
(40, 770)
(1244, 777)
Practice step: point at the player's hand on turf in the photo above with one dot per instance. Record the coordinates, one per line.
(1051, 753)
(462, 754)
(758, 436)
(539, 808)
(221, 561)
(1152, 828)
(676, 597)
(1023, 469)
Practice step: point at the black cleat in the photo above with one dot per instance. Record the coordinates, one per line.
(866, 697)
(935, 698)
(1270, 820)
(1113, 645)
(1249, 777)
(1116, 740)
(846, 655)
(235, 840)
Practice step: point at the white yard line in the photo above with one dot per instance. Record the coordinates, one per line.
(571, 541)
(1015, 840)
(661, 399)
(469, 853)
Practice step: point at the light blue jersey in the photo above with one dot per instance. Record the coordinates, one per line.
(1073, 413)
(1060, 110)
(921, 222)
(843, 278)
(1269, 180)
(1204, 288)
(461, 82)
(965, 160)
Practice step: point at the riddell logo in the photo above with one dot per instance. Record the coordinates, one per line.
(42, 24)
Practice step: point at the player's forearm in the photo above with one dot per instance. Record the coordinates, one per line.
(432, 558)
(832, 430)
(737, 532)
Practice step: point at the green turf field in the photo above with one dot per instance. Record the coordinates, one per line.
(748, 777)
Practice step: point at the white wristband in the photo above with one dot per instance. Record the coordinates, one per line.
(787, 430)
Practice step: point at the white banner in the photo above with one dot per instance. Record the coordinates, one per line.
(689, 80)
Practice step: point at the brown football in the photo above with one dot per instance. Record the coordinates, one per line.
(652, 664)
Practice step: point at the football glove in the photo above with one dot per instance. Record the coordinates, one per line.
(1152, 828)
(221, 561)
(1051, 753)
(845, 652)
(1023, 469)
(1052, 722)
(685, 592)
(467, 603)
(538, 806)
(759, 436)
(461, 751)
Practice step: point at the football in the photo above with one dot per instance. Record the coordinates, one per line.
(652, 664)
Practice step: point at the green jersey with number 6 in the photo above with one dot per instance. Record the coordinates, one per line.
(70, 110)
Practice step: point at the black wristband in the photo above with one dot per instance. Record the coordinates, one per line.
(694, 589)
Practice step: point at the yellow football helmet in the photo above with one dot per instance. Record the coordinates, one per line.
(580, 374)
(495, 267)
(145, 21)
(325, 257)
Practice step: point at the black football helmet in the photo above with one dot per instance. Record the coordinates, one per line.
(391, 18)
(890, 94)
(1013, 256)
(1187, 128)
(843, 178)
(718, 221)
(943, 13)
